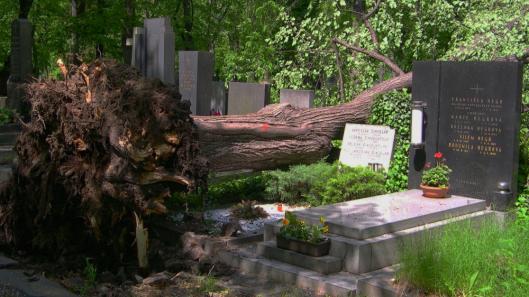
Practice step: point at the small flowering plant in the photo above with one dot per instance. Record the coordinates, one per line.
(438, 175)
(294, 228)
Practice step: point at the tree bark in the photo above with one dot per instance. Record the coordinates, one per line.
(279, 134)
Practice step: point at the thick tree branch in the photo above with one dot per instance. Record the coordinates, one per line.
(373, 54)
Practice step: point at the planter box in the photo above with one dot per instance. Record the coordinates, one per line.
(303, 247)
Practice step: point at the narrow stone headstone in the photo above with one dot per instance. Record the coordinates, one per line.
(138, 49)
(244, 98)
(160, 50)
(297, 98)
(21, 62)
(195, 79)
(473, 118)
(219, 100)
(367, 145)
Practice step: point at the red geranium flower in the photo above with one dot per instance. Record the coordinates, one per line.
(438, 155)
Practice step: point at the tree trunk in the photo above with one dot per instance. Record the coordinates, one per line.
(280, 134)
(188, 24)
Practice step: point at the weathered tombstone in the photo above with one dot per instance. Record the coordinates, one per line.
(244, 98)
(473, 118)
(21, 66)
(367, 145)
(297, 98)
(159, 49)
(219, 98)
(195, 79)
(138, 49)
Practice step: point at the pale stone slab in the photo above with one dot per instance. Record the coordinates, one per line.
(367, 145)
(374, 216)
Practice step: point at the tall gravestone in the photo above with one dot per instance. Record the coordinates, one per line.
(219, 99)
(297, 98)
(153, 49)
(244, 98)
(21, 66)
(473, 118)
(195, 71)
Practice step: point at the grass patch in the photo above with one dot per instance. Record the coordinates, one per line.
(464, 261)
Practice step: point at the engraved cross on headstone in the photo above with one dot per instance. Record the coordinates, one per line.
(477, 89)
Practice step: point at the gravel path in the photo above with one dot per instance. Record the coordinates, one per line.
(222, 215)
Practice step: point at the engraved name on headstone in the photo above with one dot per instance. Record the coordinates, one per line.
(367, 145)
(195, 75)
(244, 98)
(297, 98)
(473, 118)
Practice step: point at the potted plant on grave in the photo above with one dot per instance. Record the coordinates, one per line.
(435, 179)
(308, 239)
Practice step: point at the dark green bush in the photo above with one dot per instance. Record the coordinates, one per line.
(323, 183)
(394, 110)
(249, 188)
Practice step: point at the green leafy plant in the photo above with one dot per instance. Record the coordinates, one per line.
(90, 278)
(6, 116)
(247, 210)
(294, 228)
(437, 176)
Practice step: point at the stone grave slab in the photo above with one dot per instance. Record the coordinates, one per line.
(367, 145)
(160, 50)
(244, 98)
(379, 215)
(219, 98)
(473, 118)
(195, 75)
(297, 98)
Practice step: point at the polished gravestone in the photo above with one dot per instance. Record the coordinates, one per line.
(21, 66)
(195, 72)
(159, 49)
(473, 118)
(219, 99)
(297, 98)
(244, 98)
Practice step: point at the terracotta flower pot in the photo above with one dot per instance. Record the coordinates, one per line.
(434, 192)
(307, 248)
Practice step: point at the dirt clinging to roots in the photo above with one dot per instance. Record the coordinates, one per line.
(102, 144)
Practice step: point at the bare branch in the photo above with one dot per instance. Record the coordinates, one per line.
(373, 54)
(373, 11)
(372, 33)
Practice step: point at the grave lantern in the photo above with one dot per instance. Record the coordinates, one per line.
(417, 124)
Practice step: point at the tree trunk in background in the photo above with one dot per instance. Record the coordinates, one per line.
(99, 46)
(280, 135)
(78, 7)
(187, 35)
(25, 6)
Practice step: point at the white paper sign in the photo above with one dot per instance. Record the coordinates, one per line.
(367, 145)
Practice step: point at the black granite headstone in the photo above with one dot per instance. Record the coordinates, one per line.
(297, 98)
(219, 99)
(159, 49)
(244, 98)
(195, 75)
(473, 118)
(21, 66)
(138, 49)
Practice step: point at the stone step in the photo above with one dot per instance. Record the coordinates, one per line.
(363, 256)
(323, 265)
(5, 173)
(8, 138)
(336, 284)
(7, 154)
(378, 215)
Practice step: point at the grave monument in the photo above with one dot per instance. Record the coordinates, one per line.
(472, 115)
(21, 66)
(244, 98)
(195, 72)
(219, 99)
(297, 98)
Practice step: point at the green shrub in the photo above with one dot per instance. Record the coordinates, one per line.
(350, 183)
(322, 183)
(463, 261)
(394, 110)
(296, 184)
(6, 116)
(251, 188)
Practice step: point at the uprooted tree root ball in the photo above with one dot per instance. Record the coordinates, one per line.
(102, 145)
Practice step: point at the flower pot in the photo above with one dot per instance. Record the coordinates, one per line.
(434, 192)
(303, 247)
